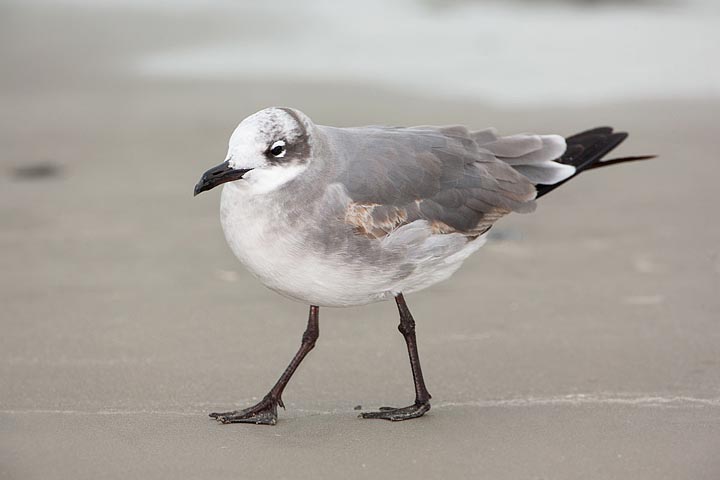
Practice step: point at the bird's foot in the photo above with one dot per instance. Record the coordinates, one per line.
(264, 413)
(418, 409)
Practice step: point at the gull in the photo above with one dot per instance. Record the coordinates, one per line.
(337, 217)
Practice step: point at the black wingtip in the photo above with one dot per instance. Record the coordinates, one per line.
(585, 151)
(588, 133)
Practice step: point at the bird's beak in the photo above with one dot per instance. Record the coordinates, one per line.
(218, 175)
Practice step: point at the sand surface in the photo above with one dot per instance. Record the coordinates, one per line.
(582, 342)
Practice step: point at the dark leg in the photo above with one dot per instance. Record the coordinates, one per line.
(265, 412)
(422, 397)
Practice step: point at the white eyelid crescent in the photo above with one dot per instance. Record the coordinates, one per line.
(279, 143)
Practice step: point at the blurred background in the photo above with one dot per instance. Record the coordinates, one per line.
(582, 339)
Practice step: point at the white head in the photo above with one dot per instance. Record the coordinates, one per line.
(267, 150)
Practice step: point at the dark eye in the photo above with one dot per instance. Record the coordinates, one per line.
(277, 149)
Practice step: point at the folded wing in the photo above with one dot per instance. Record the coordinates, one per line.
(456, 180)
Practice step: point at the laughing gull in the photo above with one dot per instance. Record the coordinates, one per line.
(349, 216)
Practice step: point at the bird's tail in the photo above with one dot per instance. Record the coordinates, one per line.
(586, 150)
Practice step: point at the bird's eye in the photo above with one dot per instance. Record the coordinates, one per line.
(277, 149)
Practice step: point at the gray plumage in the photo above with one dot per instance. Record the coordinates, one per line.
(457, 180)
(346, 216)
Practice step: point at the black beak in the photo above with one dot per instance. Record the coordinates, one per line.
(223, 173)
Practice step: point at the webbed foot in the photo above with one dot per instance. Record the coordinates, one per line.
(263, 413)
(415, 410)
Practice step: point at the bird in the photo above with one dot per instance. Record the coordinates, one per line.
(339, 217)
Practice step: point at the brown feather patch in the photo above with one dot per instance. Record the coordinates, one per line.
(373, 220)
(441, 227)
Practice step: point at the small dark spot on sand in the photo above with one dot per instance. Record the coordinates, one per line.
(36, 171)
(357, 407)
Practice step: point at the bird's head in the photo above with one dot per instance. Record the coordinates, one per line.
(267, 149)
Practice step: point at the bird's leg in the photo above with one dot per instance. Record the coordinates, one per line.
(422, 397)
(265, 412)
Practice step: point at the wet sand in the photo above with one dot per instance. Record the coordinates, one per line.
(581, 342)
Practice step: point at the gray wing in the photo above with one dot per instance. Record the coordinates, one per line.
(456, 180)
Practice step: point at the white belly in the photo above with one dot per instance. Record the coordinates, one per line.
(280, 256)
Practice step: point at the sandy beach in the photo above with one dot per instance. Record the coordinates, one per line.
(582, 341)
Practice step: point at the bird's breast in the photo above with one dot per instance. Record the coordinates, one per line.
(290, 257)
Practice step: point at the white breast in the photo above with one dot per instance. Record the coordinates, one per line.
(282, 258)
